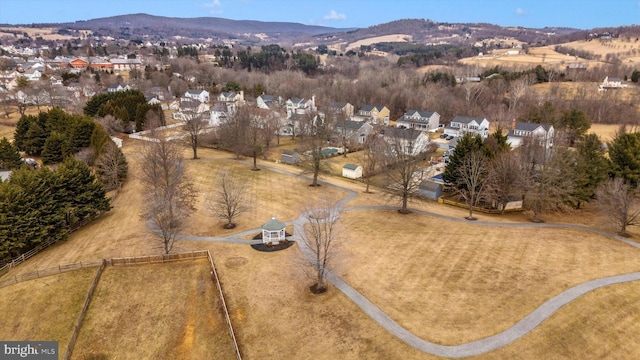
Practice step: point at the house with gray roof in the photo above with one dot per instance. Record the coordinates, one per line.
(419, 120)
(461, 125)
(269, 102)
(196, 94)
(544, 134)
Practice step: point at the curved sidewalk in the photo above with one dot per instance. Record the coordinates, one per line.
(518, 330)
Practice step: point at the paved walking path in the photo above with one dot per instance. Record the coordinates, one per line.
(521, 328)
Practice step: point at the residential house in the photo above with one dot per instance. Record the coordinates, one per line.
(409, 141)
(300, 106)
(269, 102)
(118, 87)
(193, 106)
(355, 132)
(342, 107)
(376, 113)
(55, 81)
(419, 120)
(32, 74)
(612, 83)
(219, 115)
(200, 95)
(461, 125)
(352, 171)
(232, 99)
(522, 130)
(430, 189)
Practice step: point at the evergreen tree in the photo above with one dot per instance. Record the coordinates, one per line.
(34, 140)
(574, 124)
(20, 134)
(55, 148)
(466, 145)
(9, 155)
(81, 134)
(79, 190)
(624, 152)
(592, 168)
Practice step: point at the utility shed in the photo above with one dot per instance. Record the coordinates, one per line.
(352, 171)
(273, 232)
(430, 189)
(290, 157)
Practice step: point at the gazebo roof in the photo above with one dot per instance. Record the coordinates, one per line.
(273, 225)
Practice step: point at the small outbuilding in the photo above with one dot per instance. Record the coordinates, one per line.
(430, 189)
(273, 232)
(352, 171)
(290, 157)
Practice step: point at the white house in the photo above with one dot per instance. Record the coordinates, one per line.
(461, 125)
(419, 120)
(409, 141)
(352, 171)
(219, 114)
(521, 130)
(200, 95)
(613, 83)
(117, 87)
(300, 106)
(268, 102)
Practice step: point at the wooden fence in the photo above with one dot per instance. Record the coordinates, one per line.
(214, 273)
(10, 280)
(129, 261)
(85, 307)
(4, 268)
(475, 208)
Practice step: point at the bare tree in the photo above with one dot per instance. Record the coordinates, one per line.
(503, 179)
(255, 133)
(170, 194)
(112, 166)
(472, 179)
(517, 89)
(403, 160)
(371, 157)
(233, 131)
(619, 200)
(315, 139)
(320, 238)
(228, 201)
(548, 181)
(194, 127)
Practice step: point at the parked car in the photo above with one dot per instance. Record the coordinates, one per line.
(450, 137)
(443, 135)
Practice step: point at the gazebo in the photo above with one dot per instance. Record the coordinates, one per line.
(273, 232)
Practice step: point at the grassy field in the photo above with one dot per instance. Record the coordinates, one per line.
(446, 286)
(156, 311)
(45, 308)
(472, 282)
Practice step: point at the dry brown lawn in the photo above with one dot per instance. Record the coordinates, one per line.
(452, 283)
(156, 311)
(378, 39)
(277, 317)
(463, 280)
(46, 308)
(602, 324)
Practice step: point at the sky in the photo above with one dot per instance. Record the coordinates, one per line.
(581, 14)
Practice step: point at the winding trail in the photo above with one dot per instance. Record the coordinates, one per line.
(518, 330)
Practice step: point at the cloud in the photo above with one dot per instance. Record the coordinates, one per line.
(214, 3)
(333, 15)
(520, 11)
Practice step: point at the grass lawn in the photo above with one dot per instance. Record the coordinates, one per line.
(452, 283)
(602, 324)
(46, 308)
(277, 317)
(156, 311)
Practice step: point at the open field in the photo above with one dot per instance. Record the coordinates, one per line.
(445, 285)
(156, 311)
(475, 281)
(387, 38)
(46, 308)
(45, 33)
